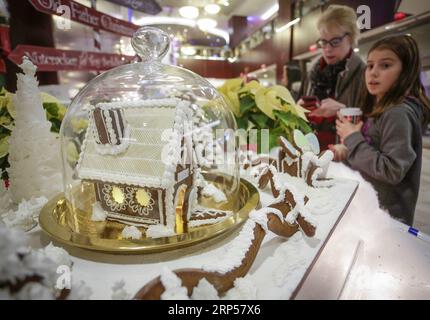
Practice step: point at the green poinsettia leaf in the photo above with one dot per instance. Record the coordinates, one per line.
(4, 134)
(52, 109)
(4, 176)
(242, 122)
(4, 163)
(6, 122)
(273, 136)
(260, 120)
(4, 146)
(304, 126)
(288, 119)
(55, 125)
(247, 102)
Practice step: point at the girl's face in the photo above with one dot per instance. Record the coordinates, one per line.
(335, 43)
(382, 71)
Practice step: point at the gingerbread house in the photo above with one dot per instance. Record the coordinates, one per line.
(139, 156)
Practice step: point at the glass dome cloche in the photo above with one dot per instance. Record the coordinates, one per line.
(150, 145)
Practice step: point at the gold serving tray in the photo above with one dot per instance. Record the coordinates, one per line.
(75, 228)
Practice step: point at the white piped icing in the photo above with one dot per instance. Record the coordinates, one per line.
(307, 159)
(244, 289)
(159, 231)
(260, 216)
(18, 261)
(131, 232)
(290, 147)
(119, 292)
(26, 215)
(170, 210)
(58, 255)
(204, 291)
(234, 255)
(110, 149)
(98, 213)
(173, 286)
(170, 103)
(211, 191)
(324, 160)
(201, 222)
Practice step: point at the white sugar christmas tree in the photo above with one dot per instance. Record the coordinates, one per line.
(34, 153)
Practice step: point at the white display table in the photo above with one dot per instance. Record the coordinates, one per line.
(367, 256)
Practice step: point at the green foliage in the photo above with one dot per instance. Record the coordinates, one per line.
(285, 122)
(258, 107)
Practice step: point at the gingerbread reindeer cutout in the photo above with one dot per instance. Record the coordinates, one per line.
(286, 216)
(301, 159)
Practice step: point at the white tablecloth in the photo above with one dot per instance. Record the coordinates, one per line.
(367, 256)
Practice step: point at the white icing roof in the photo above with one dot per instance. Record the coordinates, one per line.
(141, 164)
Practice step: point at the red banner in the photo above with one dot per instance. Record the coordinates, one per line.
(85, 15)
(51, 59)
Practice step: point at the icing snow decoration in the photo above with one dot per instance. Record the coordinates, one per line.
(26, 215)
(98, 213)
(173, 286)
(159, 231)
(131, 232)
(211, 191)
(119, 292)
(204, 291)
(34, 153)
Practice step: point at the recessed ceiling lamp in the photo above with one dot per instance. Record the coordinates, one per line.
(212, 8)
(206, 24)
(188, 51)
(189, 12)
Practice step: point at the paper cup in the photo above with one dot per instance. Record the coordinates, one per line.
(353, 115)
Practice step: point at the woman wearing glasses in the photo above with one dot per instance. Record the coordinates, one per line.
(336, 77)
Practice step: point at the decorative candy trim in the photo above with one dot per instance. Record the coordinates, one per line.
(107, 197)
(134, 221)
(160, 103)
(108, 149)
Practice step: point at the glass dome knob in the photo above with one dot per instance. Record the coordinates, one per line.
(150, 43)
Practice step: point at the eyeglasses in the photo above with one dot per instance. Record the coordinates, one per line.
(334, 43)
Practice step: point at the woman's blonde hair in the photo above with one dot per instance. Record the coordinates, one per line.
(340, 16)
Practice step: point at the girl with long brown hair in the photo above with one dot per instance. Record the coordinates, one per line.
(387, 148)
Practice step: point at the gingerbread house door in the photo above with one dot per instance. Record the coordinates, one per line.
(182, 207)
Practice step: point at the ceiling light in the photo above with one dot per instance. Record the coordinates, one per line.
(188, 51)
(212, 8)
(150, 20)
(206, 24)
(288, 25)
(270, 12)
(189, 12)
